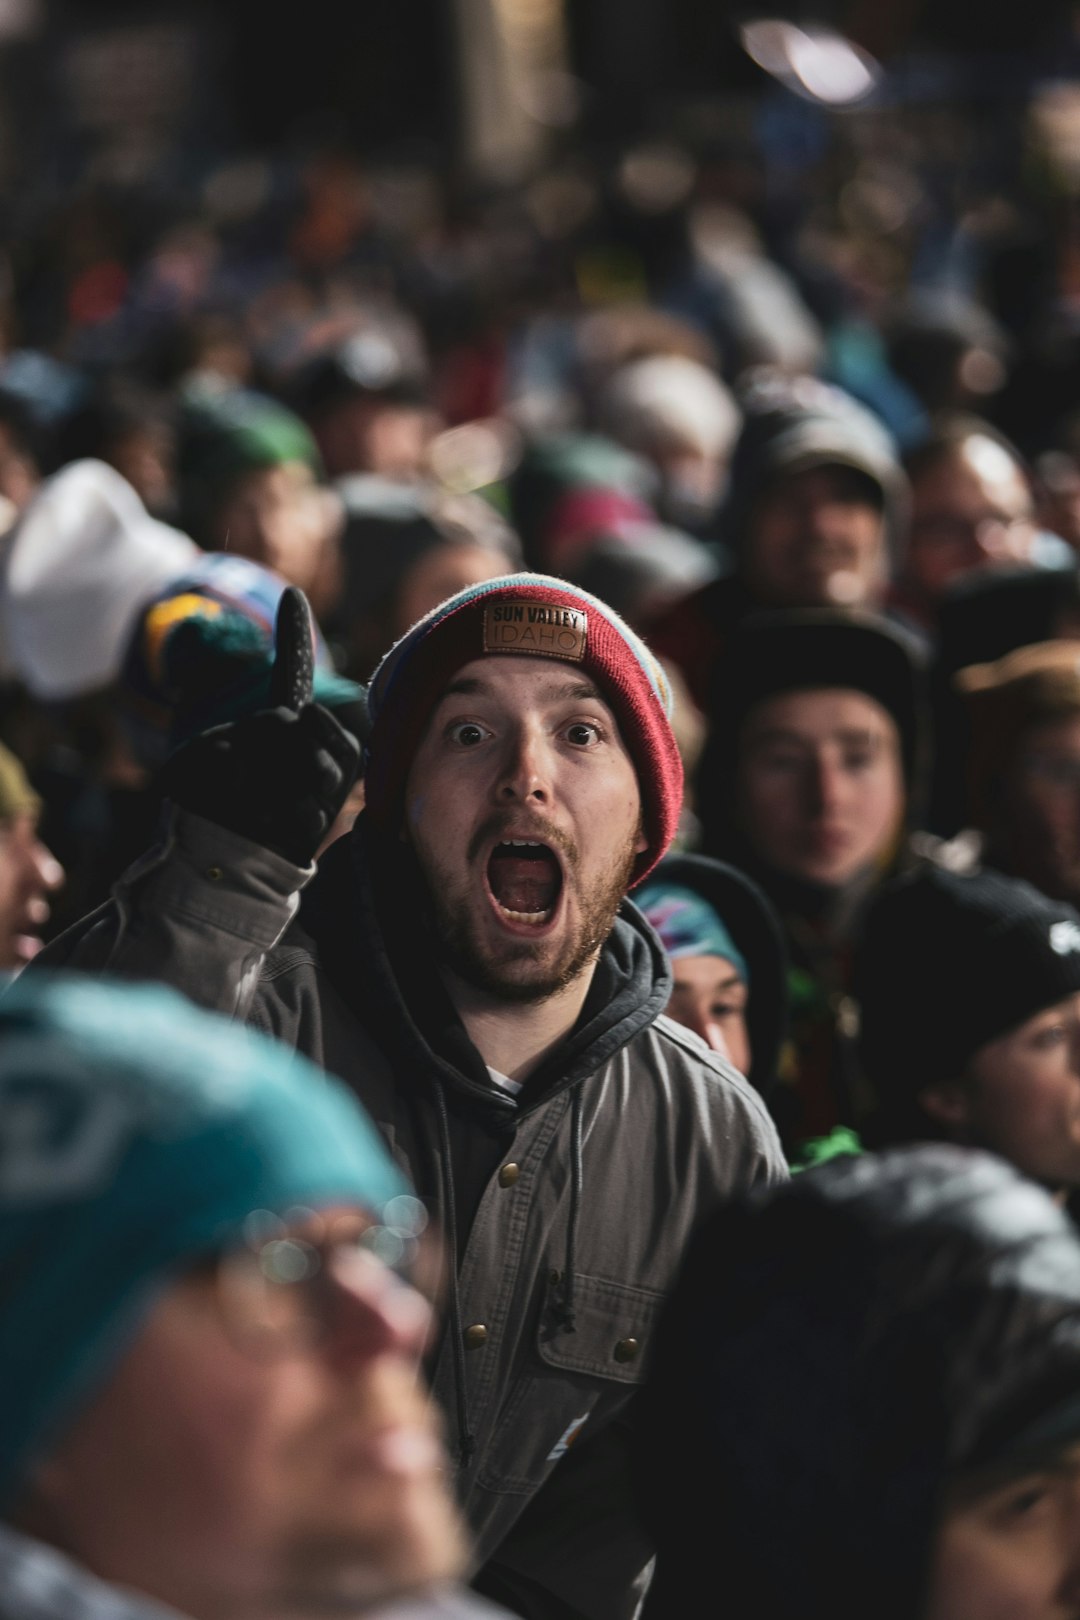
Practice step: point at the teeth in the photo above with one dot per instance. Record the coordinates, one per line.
(534, 917)
(525, 843)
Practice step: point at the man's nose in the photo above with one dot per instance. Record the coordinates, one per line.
(824, 786)
(373, 1312)
(44, 865)
(525, 769)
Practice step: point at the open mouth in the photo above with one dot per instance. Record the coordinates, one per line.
(525, 880)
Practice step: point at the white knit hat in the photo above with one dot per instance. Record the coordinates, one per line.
(74, 572)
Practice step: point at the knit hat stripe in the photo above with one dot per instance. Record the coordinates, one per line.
(390, 667)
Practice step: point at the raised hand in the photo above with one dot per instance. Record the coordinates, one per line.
(279, 775)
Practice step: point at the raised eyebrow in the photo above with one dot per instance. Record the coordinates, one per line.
(777, 734)
(734, 983)
(567, 692)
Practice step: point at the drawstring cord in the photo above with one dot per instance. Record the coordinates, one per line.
(466, 1438)
(568, 1310)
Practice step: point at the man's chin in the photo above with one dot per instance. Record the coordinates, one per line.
(347, 1573)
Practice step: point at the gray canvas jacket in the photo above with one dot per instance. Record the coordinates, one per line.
(568, 1219)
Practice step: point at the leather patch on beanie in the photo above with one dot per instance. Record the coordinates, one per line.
(536, 627)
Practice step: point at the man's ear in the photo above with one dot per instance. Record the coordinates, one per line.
(947, 1104)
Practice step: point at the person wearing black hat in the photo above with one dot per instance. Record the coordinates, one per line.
(816, 505)
(808, 782)
(968, 986)
(879, 1363)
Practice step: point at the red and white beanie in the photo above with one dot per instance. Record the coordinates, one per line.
(536, 616)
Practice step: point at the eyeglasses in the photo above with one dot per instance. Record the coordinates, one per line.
(283, 1288)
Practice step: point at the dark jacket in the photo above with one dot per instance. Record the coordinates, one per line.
(566, 1210)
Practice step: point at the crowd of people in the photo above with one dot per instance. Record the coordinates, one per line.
(572, 702)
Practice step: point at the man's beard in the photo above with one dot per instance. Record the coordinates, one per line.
(509, 978)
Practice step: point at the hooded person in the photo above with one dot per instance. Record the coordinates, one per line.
(210, 1269)
(880, 1360)
(968, 987)
(810, 781)
(465, 961)
(814, 517)
(728, 959)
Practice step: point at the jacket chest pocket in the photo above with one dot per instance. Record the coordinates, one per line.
(565, 1374)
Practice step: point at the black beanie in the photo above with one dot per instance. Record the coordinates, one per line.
(837, 1348)
(948, 961)
(792, 651)
(793, 423)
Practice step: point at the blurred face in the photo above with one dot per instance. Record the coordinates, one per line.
(818, 540)
(291, 1476)
(28, 875)
(1020, 1096)
(375, 436)
(145, 459)
(278, 517)
(1012, 1551)
(710, 998)
(971, 510)
(438, 574)
(523, 809)
(1037, 829)
(819, 783)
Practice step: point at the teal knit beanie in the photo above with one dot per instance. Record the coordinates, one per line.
(136, 1134)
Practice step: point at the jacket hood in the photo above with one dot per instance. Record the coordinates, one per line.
(841, 1348)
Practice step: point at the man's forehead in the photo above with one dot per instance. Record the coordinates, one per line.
(818, 710)
(511, 677)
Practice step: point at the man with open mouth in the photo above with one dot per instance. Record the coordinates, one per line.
(467, 961)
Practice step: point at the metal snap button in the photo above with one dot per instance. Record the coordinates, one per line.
(627, 1350)
(475, 1336)
(508, 1175)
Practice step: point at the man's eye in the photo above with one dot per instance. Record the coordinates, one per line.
(1029, 1499)
(466, 733)
(858, 760)
(583, 733)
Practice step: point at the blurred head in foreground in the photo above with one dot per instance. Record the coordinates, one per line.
(879, 1366)
(209, 1387)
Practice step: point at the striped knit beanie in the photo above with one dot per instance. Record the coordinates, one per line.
(536, 616)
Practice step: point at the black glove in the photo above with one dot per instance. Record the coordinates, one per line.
(278, 776)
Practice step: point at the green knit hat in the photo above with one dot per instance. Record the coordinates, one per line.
(223, 436)
(137, 1134)
(17, 797)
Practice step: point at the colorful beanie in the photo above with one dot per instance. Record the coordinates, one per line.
(530, 615)
(138, 1134)
(688, 925)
